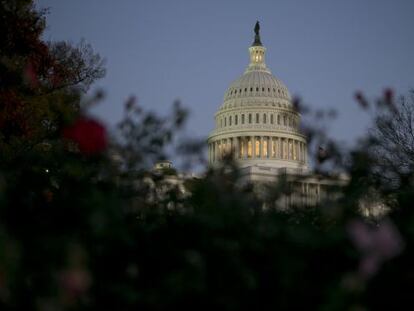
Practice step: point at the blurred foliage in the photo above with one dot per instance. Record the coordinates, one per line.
(84, 225)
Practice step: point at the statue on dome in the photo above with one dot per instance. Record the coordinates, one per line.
(257, 28)
(257, 41)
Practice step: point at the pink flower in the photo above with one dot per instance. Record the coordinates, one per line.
(388, 95)
(74, 282)
(376, 244)
(88, 134)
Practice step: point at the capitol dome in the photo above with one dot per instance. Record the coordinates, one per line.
(257, 123)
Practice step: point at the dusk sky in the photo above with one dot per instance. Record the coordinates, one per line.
(192, 50)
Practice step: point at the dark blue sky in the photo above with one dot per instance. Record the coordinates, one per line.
(192, 50)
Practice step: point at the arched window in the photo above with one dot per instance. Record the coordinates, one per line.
(264, 118)
(236, 119)
(242, 119)
(230, 121)
(257, 118)
(272, 119)
(225, 121)
(250, 118)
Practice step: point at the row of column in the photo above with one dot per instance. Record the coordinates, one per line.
(303, 194)
(262, 147)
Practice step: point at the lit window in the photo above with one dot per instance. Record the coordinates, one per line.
(257, 145)
(264, 148)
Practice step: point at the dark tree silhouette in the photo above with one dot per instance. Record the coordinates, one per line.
(393, 139)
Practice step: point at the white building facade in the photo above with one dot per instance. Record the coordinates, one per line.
(258, 126)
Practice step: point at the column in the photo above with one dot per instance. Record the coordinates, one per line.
(253, 142)
(278, 147)
(236, 147)
(272, 147)
(246, 145)
(269, 146)
(261, 153)
(219, 147)
(294, 154)
(302, 154)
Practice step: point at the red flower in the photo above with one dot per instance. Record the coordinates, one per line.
(362, 101)
(30, 75)
(388, 94)
(88, 134)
